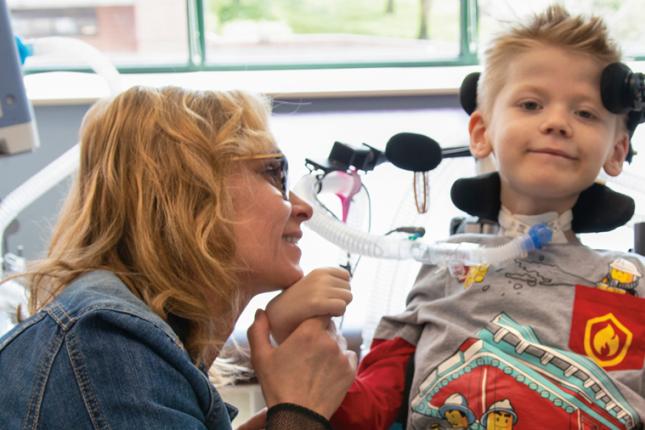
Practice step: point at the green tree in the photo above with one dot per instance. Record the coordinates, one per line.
(231, 10)
(389, 7)
(424, 17)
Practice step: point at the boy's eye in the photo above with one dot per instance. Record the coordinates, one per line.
(586, 114)
(530, 105)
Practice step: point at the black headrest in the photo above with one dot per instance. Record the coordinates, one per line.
(597, 209)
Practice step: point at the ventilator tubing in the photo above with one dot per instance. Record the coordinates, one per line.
(370, 245)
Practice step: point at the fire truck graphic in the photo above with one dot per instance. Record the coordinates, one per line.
(508, 380)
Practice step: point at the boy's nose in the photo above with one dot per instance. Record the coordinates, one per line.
(562, 130)
(556, 123)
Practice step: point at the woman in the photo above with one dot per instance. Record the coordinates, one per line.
(179, 215)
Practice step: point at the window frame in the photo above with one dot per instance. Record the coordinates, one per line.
(196, 60)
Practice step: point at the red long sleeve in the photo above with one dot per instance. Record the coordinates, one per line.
(374, 399)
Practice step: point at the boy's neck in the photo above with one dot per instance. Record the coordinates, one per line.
(525, 205)
(514, 225)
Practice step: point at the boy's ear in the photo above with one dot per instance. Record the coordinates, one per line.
(614, 163)
(479, 146)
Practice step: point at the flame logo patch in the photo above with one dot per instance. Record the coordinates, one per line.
(607, 340)
(608, 328)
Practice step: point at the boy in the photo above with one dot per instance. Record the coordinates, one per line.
(534, 343)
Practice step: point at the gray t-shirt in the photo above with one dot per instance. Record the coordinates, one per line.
(555, 340)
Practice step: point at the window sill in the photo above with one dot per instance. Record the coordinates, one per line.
(60, 88)
(56, 88)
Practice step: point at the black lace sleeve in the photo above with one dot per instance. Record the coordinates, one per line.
(287, 416)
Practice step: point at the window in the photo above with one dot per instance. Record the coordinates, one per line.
(181, 35)
(326, 32)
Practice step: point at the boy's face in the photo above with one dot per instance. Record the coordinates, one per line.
(549, 131)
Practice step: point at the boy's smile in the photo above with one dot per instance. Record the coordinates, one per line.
(552, 152)
(549, 131)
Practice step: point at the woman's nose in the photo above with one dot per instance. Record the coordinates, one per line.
(300, 208)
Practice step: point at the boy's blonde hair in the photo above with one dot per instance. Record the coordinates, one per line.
(150, 204)
(553, 27)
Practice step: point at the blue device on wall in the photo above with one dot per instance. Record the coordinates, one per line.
(17, 126)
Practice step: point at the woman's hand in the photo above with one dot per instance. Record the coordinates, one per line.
(323, 292)
(308, 369)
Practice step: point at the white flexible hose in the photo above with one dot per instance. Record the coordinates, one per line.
(371, 245)
(75, 50)
(36, 186)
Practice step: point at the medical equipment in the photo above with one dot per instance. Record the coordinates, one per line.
(371, 245)
(17, 126)
(345, 181)
(621, 89)
(343, 177)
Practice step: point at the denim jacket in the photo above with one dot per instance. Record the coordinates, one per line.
(98, 358)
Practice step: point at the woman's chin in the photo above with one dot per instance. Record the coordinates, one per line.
(284, 280)
(294, 276)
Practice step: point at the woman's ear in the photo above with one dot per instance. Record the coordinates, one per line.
(479, 145)
(614, 162)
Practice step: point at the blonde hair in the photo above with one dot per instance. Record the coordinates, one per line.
(150, 204)
(553, 27)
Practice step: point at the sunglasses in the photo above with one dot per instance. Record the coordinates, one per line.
(275, 170)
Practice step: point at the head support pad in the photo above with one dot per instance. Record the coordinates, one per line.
(480, 196)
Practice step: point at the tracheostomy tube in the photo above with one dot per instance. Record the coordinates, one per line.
(442, 253)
